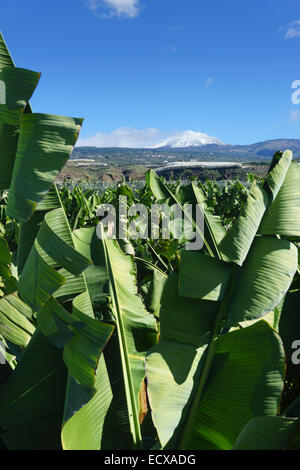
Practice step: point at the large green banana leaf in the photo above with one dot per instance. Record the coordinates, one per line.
(268, 264)
(262, 274)
(82, 344)
(5, 57)
(151, 281)
(102, 422)
(32, 400)
(194, 267)
(14, 326)
(109, 430)
(95, 425)
(135, 326)
(20, 85)
(44, 145)
(91, 419)
(269, 433)
(6, 60)
(29, 230)
(81, 337)
(245, 380)
(267, 210)
(88, 388)
(237, 241)
(283, 216)
(53, 247)
(33, 147)
(88, 391)
(176, 360)
(8, 282)
(153, 298)
(277, 172)
(264, 279)
(96, 276)
(259, 285)
(213, 229)
(202, 314)
(172, 363)
(289, 328)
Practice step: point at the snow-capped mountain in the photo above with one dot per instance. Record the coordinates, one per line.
(187, 139)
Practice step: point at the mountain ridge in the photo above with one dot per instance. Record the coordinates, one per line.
(260, 150)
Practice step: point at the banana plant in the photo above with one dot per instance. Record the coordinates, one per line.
(78, 389)
(226, 378)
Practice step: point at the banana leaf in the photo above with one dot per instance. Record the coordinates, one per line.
(5, 57)
(249, 288)
(19, 86)
(269, 433)
(136, 328)
(32, 400)
(44, 145)
(14, 326)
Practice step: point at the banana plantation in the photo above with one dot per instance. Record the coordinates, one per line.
(139, 344)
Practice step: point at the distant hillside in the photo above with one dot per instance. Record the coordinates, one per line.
(114, 164)
(259, 149)
(267, 148)
(258, 152)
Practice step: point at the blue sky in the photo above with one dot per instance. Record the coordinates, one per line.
(153, 67)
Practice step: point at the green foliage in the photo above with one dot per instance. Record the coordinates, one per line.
(226, 200)
(96, 330)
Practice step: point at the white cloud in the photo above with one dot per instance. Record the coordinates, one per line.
(124, 137)
(128, 8)
(143, 138)
(208, 82)
(291, 30)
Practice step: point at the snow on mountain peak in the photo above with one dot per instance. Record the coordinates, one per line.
(187, 139)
